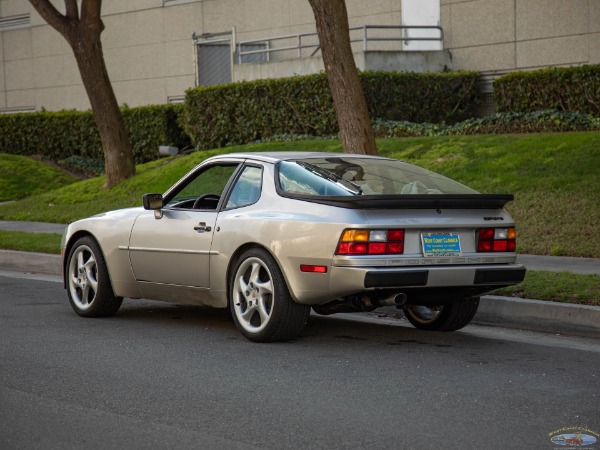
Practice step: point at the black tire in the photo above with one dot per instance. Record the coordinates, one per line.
(450, 317)
(88, 284)
(261, 305)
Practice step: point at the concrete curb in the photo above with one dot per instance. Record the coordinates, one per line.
(535, 315)
(31, 262)
(539, 315)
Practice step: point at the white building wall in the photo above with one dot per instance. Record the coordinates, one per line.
(150, 53)
(506, 35)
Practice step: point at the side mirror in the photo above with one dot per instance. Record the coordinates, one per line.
(152, 201)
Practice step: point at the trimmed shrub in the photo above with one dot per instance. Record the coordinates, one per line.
(59, 135)
(447, 97)
(151, 126)
(238, 113)
(564, 89)
(244, 112)
(53, 135)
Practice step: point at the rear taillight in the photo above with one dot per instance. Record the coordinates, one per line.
(497, 240)
(371, 242)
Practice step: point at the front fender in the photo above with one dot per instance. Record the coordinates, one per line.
(112, 232)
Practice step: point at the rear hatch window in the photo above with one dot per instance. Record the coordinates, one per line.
(338, 176)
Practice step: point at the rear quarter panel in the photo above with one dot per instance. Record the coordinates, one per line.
(293, 231)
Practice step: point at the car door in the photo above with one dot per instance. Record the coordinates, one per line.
(175, 248)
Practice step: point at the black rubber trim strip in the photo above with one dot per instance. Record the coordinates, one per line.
(499, 276)
(396, 279)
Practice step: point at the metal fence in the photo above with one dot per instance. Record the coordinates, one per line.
(216, 53)
(301, 45)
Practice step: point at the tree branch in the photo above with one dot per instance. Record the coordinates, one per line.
(72, 9)
(51, 15)
(90, 13)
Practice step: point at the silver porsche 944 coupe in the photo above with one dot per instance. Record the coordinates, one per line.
(272, 235)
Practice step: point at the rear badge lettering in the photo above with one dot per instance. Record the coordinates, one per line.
(493, 218)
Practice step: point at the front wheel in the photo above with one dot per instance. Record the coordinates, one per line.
(260, 302)
(450, 317)
(88, 284)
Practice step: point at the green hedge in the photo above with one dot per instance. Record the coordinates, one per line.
(563, 89)
(446, 97)
(151, 126)
(59, 135)
(238, 113)
(243, 112)
(52, 135)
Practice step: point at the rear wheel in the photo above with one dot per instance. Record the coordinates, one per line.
(88, 285)
(450, 317)
(260, 301)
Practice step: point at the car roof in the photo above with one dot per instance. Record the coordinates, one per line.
(276, 156)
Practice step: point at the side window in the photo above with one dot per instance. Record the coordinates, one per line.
(204, 190)
(246, 190)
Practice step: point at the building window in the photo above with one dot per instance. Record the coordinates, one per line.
(252, 58)
(176, 99)
(15, 22)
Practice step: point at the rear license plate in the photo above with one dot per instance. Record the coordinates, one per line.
(440, 244)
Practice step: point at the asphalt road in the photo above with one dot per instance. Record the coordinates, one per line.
(164, 376)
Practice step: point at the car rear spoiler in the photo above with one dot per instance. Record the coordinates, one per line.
(413, 201)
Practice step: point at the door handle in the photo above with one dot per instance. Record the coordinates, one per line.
(202, 227)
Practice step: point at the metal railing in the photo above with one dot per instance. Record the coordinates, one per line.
(364, 37)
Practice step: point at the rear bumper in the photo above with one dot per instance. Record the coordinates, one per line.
(502, 276)
(417, 278)
(417, 282)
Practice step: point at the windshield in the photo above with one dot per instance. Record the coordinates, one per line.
(362, 176)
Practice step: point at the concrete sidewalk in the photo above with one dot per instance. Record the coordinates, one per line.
(544, 316)
(32, 227)
(561, 264)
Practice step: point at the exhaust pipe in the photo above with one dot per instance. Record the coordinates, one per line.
(397, 300)
(357, 303)
(401, 300)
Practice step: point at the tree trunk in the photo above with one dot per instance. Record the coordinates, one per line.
(349, 100)
(118, 153)
(82, 32)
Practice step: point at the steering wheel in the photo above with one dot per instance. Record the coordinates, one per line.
(200, 200)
